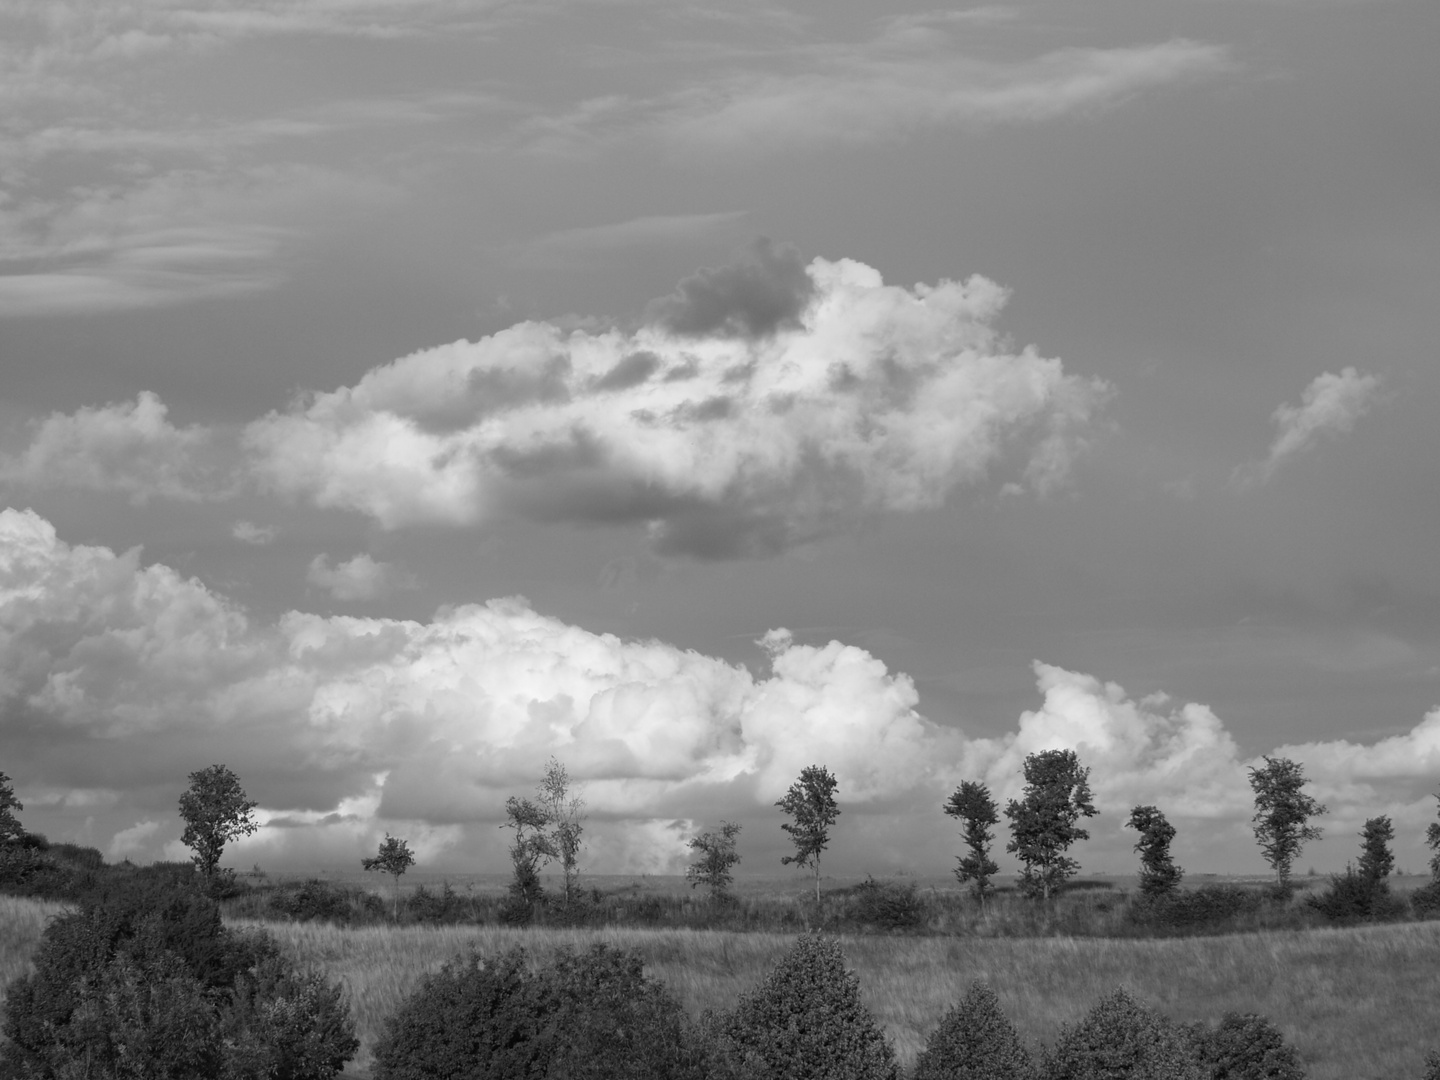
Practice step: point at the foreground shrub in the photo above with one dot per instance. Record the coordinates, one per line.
(1246, 1046)
(1425, 901)
(975, 1041)
(589, 1015)
(1432, 1066)
(807, 1022)
(146, 982)
(1121, 1039)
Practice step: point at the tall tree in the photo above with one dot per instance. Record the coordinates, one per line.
(216, 812)
(564, 815)
(717, 856)
(1432, 841)
(972, 803)
(1282, 814)
(1045, 822)
(1159, 876)
(1376, 859)
(393, 858)
(531, 850)
(10, 827)
(811, 802)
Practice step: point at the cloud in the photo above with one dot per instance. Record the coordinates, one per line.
(130, 447)
(249, 533)
(116, 679)
(361, 578)
(764, 404)
(570, 246)
(911, 78)
(1330, 406)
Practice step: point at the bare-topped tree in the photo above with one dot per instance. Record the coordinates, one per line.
(564, 815)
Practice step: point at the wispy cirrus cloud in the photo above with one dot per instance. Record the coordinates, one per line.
(1329, 406)
(567, 246)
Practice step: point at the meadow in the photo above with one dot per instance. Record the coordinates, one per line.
(1358, 1002)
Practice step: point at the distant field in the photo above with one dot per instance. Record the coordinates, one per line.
(1359, 1003)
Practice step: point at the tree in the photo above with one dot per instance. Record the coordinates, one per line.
(1282, 814)
(1159, 876)
(1432, 841)
(717, 856)
(531, 850)
(1376, 860)
(10, 827)
(563, 818)
(215, 811)
(393, 858)
(1044, 824)
(811, 802)
(972, 803)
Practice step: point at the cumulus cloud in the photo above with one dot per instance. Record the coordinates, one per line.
(130, 447)
(116, 679)
(763, 404)
(360, 578)
(1330, 406)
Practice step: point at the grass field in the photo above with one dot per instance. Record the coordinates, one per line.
(1359, 1003)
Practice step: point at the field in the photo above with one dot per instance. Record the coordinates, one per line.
(1359, 1003)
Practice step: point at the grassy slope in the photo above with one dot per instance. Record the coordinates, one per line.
(1360, 1003)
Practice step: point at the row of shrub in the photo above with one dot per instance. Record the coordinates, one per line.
(595, 1014)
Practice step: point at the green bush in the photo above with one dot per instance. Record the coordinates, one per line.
(312, 901)
(975, 1041)
(584, 1016)
(806, 1021)
(1353, 897)
(1425, 901)
(888, 905)
(146, 982)
(1432, 1066)
(1194, 908)
(1120, 1039)
(1246, 1046)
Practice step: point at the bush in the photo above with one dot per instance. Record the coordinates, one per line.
(1353, 897)
(1120, 1038)
(807, 1021)
(1246, 1046)
(975, 1041)
(146, 982)
(1425, 901)
(1207, 905)
(889, 905)
(1432, 1066)
(584, 1016)
(314, 900)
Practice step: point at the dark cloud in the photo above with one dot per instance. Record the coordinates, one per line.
(632, 371)
(764, 291)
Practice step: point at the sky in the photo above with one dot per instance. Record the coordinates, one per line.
(396, 394)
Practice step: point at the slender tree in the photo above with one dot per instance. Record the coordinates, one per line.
(1432, 841)
(1045, 822)
(811, 802)
(10, 827)
(972, 803)
(1159, 876)
(1377, 861)
(216, 812)
(564, 817)
(531, 850)
(1282, 814)
(717, 854)
(393, 858)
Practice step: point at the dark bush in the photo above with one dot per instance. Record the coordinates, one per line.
(975, 1041)
(1353, 897)
(585, 1016)
(446, 906)
(1207, 905)
(143, 981)
(889, 905)
(1120, 1038)
(1425, 901)
(1432, 1066)
(806, 1021)
(312, 901)
(1245, 1046)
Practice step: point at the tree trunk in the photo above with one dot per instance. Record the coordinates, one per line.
(817, 881)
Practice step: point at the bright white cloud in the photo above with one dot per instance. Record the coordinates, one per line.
(360, 578)
(1330, 406)
(344, 727)
(764, 403)
(130, 447)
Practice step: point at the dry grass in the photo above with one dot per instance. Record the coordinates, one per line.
(1359, 1003)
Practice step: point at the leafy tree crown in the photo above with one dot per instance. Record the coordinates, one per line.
(972, 803)
(216, 812)
(811, 803)
(1045, 822)
(1282, 813)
